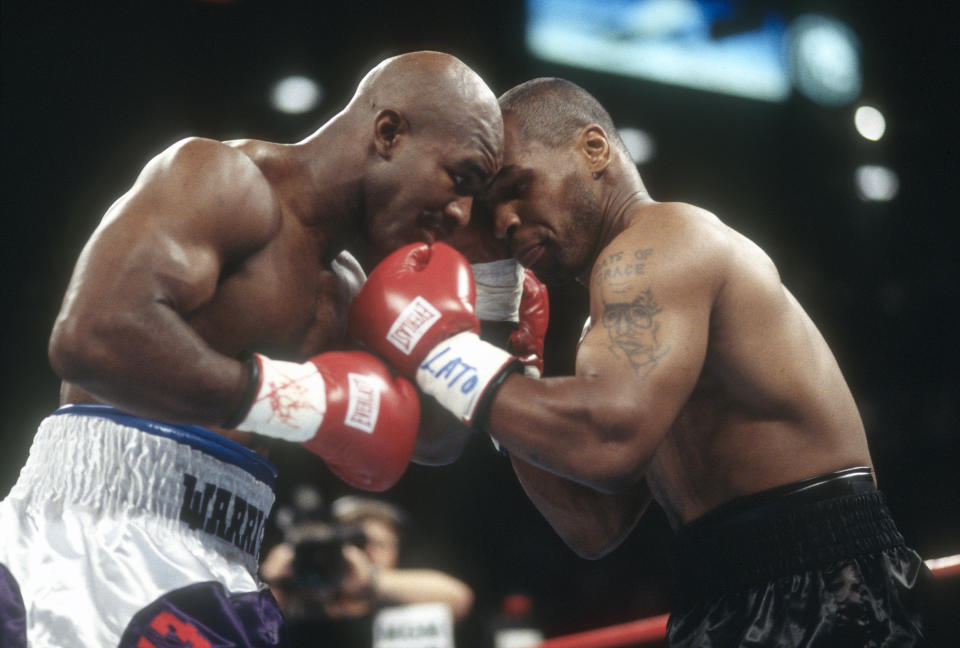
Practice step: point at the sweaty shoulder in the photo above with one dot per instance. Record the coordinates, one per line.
(214, 189)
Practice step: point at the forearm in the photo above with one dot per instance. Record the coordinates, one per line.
(408, 586)
(150, 363)
(591, 523)
(574, 427)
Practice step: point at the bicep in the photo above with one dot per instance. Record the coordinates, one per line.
(136, 258)
(168, 238)
(636, 368)
(648, 335)
(122, 333)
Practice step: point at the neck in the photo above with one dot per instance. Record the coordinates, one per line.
(618, 211)
(330, 195)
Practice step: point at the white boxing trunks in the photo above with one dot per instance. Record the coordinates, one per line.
(123, 531)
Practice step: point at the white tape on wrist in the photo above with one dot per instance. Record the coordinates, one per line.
(458, 371)
(499, 290)
(349, 273)
(290, 402)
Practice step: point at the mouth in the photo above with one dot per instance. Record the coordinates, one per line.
(529, 256)
(432, 229)
(431, 234)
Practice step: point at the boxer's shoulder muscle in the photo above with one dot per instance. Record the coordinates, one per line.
(674, 249)
(210, 188)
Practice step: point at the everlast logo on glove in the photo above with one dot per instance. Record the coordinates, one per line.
(431, 339)
(364, 404)
(415, 320)
(245, 527)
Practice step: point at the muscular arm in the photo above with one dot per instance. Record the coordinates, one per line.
(158, 255)
(651, 293)
(590, 522)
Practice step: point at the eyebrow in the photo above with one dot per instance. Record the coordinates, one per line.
(482, 174)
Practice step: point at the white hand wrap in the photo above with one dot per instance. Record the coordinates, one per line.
(499, 289)
(458, 371)
(290, 402)
(350, 274)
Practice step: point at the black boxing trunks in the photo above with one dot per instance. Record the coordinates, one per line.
(127, 532)
(818, 562)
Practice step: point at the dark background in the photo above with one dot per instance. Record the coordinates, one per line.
(90, 93)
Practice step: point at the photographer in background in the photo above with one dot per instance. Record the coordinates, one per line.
(343, 566)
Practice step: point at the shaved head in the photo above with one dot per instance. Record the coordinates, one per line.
(433, 90)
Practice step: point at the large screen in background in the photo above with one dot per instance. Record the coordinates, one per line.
(722, 46)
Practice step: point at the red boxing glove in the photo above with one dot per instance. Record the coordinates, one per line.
(345, 407)
(417, 297)
(527, 340)
(416, 311)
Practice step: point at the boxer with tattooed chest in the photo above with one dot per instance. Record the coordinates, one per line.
(701, 384)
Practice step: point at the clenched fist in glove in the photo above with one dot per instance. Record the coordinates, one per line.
(514, 309)
(417, 311)
(345, 407)
(533, 317)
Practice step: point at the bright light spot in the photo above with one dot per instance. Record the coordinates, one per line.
(296, 94)
(517, 638)
(946, 566)
(663, 18)
(870, 122)
(876, 183)
(639, 143)
(284, 517)
(826, 61)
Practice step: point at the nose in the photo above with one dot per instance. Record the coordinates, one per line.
(505, 220)
(459, 210)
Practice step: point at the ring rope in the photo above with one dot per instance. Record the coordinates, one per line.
(654, 629)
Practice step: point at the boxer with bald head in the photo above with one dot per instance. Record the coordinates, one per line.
(700, 384)
(206, 319)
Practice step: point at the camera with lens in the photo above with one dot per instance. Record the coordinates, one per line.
(314, 576)
(318, 561)
(318, 568)
(317, 538)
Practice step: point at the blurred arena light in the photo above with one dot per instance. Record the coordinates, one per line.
(870, 123)
(639, 143)
(948, 566)
(824, 58)
(680, 42)
(876, 183)
(296, 94)
(714, 45)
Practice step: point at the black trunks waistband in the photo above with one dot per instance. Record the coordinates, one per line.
(785, 530)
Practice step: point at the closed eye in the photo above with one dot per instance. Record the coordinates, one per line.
(512, 183)
(459, 181)
(469, 178)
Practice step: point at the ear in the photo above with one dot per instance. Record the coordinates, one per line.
(389, 127)
(594, 145)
